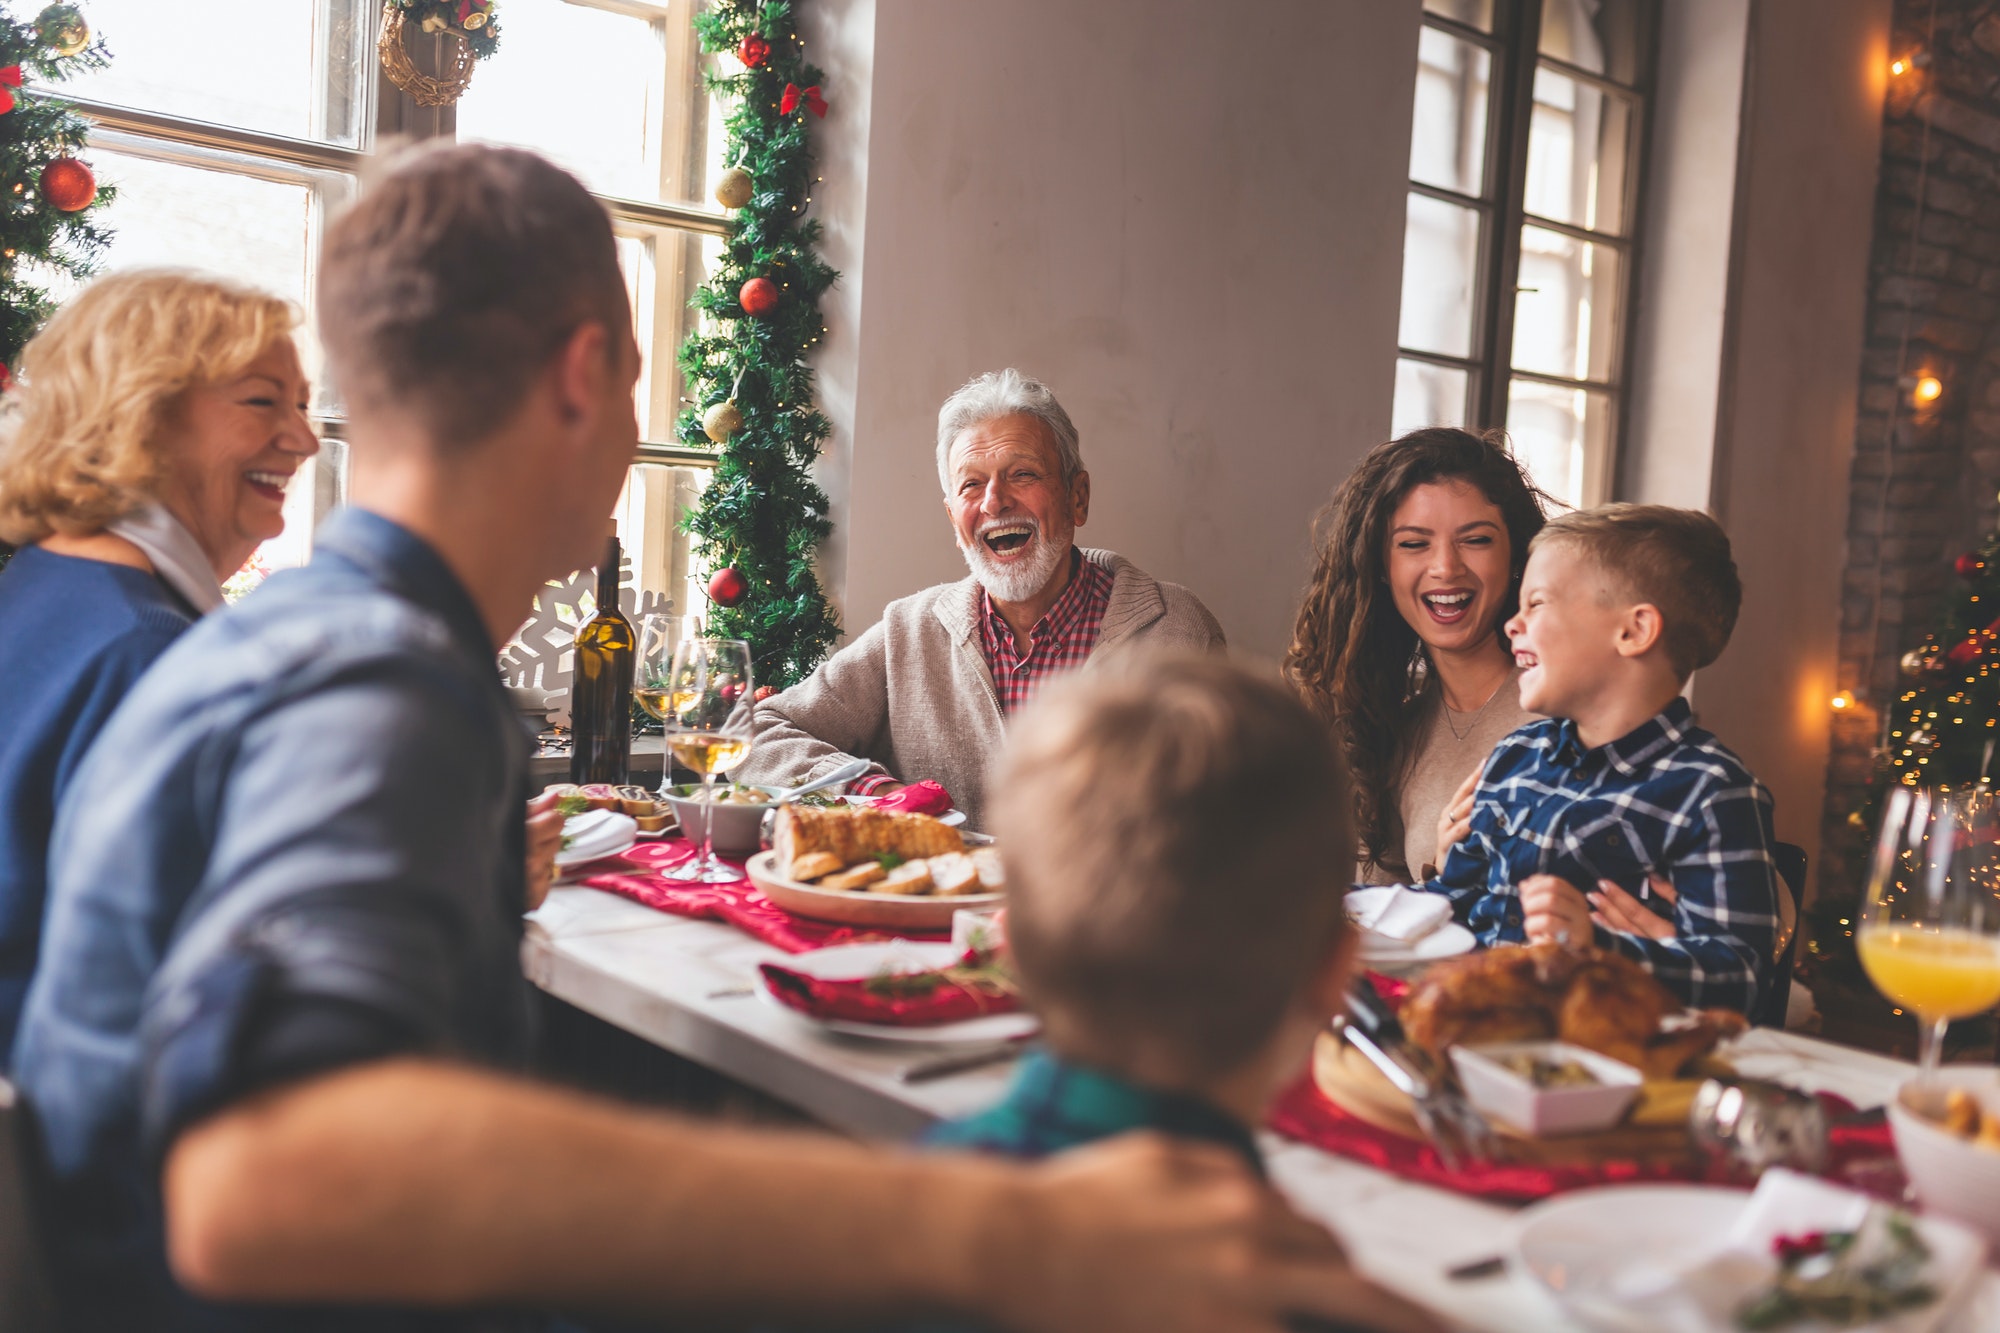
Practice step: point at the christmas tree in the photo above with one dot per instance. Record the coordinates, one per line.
(763, 517)
(1942, 726)
(48, 197)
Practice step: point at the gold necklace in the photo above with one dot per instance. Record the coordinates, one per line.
(1478, 713)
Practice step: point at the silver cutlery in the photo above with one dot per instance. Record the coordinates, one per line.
(1447, 1119)
(943, 1066)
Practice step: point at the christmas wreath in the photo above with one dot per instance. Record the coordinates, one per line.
(471, 33)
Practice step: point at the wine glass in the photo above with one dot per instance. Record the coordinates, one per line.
(710, 698)
(1929, 936)
(652, 678)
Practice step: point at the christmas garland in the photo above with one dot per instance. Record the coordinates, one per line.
(763, 517)
(48, 198)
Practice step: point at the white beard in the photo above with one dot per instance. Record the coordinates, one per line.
(1017, 582)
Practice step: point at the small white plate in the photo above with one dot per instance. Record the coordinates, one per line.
(606, 839)
(1447, 941)
(857, 962)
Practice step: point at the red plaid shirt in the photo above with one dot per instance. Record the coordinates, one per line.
(1060, 642)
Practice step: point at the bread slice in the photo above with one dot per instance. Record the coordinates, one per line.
(992, 873)
(601, 795)
(813, 865)
(654, 823)
(855, 834)
(856, 880)
(636, 801)
(561, 789)
(953, 874)
(910, 878)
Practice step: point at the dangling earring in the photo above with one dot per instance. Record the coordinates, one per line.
(1417, 673)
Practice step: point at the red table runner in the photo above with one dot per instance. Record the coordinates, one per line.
(636, 875)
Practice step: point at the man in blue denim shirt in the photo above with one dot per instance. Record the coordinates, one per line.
(275, 1039)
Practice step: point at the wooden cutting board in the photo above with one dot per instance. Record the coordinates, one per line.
(1654, 1130)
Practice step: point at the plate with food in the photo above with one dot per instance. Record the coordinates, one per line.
(1947, 1130)
(861, 962)
(595, 835)
(650, 816)
(866, 867)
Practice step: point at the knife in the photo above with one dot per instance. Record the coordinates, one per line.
(1447, 1119)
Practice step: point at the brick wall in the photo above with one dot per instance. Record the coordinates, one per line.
(1924, 478)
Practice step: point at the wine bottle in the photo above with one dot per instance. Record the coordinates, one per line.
(600, 692)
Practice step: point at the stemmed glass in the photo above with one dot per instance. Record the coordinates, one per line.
(710, 706)
(1929, 935)
(652, 684)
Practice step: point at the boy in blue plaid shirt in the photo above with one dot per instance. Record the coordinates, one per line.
(1618, 821)
(1174, 890)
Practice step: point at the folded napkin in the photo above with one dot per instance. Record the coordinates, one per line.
(593, 834)
(919, 798)
(917, 999)
(1397, 914)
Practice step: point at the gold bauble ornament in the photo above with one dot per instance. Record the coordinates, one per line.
(475, 20)
(1916, 662)
(63, 28)
(734, 188)
(722, 421)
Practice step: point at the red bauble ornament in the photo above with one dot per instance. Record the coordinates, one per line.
(764, 692)
(1967, 566)
(10, 79)
(6, 101)
(68, 185)
(728, 587)
(753, 51)
(6, 379)
(759, 296)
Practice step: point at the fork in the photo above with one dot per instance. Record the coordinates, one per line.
(1452, 1124)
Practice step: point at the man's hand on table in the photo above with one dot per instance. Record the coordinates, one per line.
(1554, 909)
(1620, 911)
(1142, 1233)
(545, 831)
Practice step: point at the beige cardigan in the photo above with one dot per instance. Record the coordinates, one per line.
(914, 695)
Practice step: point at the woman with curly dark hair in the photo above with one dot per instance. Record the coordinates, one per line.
(1398, 644)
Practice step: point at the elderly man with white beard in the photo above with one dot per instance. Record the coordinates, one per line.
(927, 691)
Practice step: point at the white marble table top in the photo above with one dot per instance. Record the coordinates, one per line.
(687, 986)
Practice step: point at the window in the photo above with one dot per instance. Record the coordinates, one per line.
(238, 170)
(1517, 253)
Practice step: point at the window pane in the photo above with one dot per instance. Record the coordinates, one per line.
(1566, 311)
(610, 94)
(293, 67)
(1427, 395)
(1448, 134)
(1440, 259)
(1579, 149)
(660, 574)
(1478, 13)
(1561, 436)
(1601, 36)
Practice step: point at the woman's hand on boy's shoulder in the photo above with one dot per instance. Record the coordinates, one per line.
(1455, 822)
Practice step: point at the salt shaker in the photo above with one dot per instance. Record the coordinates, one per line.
(1744, 1126)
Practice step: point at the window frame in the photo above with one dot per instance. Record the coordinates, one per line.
(1513, 49)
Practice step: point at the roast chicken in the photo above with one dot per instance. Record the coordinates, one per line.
(1601, 1001)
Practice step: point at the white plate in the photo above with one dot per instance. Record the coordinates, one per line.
(1447, 941)
(604, 845)
(950, 819)
(857, 962)
(1604, 1256)
(878, 911)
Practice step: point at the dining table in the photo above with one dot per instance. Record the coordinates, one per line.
(688, 986)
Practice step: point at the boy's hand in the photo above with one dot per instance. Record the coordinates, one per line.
(1456, 820)
(1620, 911)
(545, 825)
(1554, 909)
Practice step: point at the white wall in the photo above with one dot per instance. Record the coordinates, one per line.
(1192, 230)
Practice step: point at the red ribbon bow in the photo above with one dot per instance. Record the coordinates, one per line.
(790, 101)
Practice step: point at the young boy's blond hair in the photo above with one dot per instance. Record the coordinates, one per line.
(1177, 837)
(1677, 559)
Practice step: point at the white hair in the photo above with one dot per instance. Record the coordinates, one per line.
(1005, 393)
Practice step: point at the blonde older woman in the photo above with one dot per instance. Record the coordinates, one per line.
(144, 454)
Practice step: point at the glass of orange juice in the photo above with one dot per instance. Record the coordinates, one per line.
(1929, 935)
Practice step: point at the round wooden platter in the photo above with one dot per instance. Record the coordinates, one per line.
(1654, 1130)
(884, 911)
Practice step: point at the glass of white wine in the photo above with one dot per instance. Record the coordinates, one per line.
(652, 676)
(708, 702)
(1929, 936)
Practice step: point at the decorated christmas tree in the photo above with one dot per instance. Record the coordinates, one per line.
(48, 197)
(763, 517)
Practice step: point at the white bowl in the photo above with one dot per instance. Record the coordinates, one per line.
(1506, 1095)
(1954, 1177)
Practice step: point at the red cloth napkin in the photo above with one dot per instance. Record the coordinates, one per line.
(868, 1001)
(919, 798)
(635, 875)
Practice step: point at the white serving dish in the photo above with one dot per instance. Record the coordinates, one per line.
(1952, 1177)
(1544, 1112)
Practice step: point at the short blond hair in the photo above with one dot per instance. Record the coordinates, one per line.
(1676, 559)
(1177, 838)
(78, 433)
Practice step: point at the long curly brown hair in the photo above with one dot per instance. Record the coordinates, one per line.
(1354, 659)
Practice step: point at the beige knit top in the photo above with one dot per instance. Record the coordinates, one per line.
(1448, 750)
